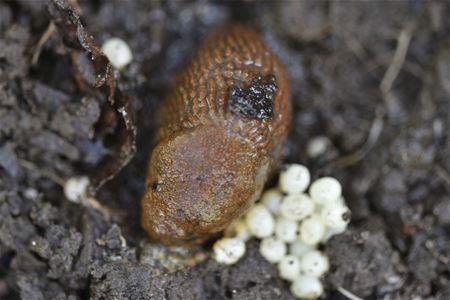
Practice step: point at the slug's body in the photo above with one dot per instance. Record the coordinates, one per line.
(222, 130)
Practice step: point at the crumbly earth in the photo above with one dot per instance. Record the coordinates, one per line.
(373, 77)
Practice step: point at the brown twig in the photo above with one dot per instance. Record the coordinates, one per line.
(52, 176)
(42, 41)
(49, 32)
(372, 138)
(348, 294)
(430, 246)
(398, 60)
(103, 209)
(86, 201)
(443, 174)
(76, 6)
(358, 49)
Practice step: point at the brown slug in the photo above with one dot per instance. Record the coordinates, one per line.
(221, 133)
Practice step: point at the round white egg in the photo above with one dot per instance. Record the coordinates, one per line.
(238, 229)
(312, 230)
(286, 230)
(75, 188)
(289, 267)
(298, 248)
(335, 215)
(330, 232)
(272, 249)
(259, 221)
(272, 200)
(325, 190)
(314, 263)
(296, 207)
(228, 250)
(118, 52)
(307, 287)
(295, 179)
(317, 146)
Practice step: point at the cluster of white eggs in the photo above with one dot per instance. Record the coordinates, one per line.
(291, 224)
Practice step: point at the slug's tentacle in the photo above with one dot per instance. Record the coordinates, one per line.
(221, 133)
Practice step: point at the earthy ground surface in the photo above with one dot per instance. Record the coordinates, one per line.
(372, 77)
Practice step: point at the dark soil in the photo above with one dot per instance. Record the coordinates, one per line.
(387, 120)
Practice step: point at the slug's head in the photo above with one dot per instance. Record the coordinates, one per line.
(198, 182)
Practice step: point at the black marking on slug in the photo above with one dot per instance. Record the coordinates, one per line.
(156, 186)
(255, 101)
(200, 178)
(180, 212)
(228, 176)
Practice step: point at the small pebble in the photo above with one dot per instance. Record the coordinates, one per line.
(31, 193)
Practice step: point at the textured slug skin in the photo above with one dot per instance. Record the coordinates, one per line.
(221, 134)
